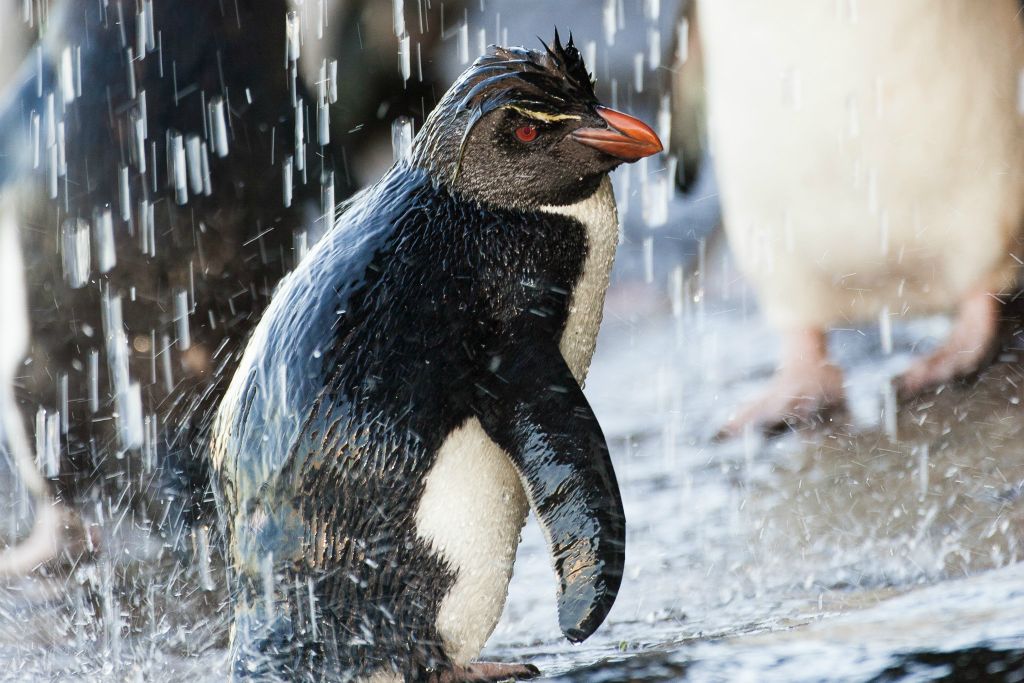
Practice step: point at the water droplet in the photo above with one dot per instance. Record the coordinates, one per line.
(75, 251)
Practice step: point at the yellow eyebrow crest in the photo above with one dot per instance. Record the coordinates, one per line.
(543, 116)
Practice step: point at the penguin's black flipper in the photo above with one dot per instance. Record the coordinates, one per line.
(533, 408)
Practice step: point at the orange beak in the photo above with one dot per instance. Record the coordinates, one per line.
(625, 138)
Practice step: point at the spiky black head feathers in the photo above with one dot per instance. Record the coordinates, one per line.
(552, 79)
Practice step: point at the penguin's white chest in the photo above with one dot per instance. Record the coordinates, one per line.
(473, 505)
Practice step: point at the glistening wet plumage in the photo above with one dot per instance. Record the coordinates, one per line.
(444, 299)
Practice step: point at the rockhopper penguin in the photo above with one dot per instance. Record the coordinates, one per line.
(871, 162)
(414, 389)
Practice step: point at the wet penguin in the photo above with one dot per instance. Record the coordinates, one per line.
(414, 389)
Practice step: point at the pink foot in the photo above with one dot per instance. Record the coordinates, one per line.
(806, 385)
(487, 672)
(968, 349)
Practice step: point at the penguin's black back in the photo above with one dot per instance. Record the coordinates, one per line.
(382, 335)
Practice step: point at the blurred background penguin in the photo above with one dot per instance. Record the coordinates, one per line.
(870, 156)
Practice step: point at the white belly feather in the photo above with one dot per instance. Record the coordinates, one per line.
(473, 507)
(869, 153)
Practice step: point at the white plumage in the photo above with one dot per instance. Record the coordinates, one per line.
(869, 152)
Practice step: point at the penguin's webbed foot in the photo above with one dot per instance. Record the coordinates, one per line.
(487, 672)
(806, 388)
(971, 346)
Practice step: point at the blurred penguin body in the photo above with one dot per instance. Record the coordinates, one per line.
(871, 154)
(871, 162)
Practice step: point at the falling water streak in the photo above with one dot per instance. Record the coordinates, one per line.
(323, 119)
(144, 245)
(111, 613)
(205, 159)
(149, 443)
(130, 416)
(676, 294)
(332, 83)
(404, 57)
(293, 33)
(885, 330)
(150, 25)
(608, 20)
(94, 380)
(286, 181)
(653, 48)
(67, 75)
(590, 56)
(165, 362)
(62, 401)
(50, 129)
(327, 199)
(74, 233)
(106, 250)
(638, 72)
(129, 63)
(648, 259)
(181, 313)
(889, 411)
(50, 121)
(218, 125)
(300, 136)
(300, 245)
(922, 472)
(699, 299)
(664, 120)
(179, 170)
(398, 10)
(138, 140)
(202, 544)
(51, 463)
(124, 194)
(313, 625)
(140, 32)
(48, 443)
(194, 163)
(401, 138)
(150, 227)
(464, 43)
(34, 139)
(62, 150)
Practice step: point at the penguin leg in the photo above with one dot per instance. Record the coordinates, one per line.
(530, 404)
(806, 385)
(970, 346)
(487, 672)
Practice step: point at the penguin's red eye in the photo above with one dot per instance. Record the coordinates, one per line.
(526, 133)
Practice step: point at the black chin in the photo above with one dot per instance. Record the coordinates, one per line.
(576, 192)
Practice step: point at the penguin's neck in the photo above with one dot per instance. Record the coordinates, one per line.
(598, 215)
